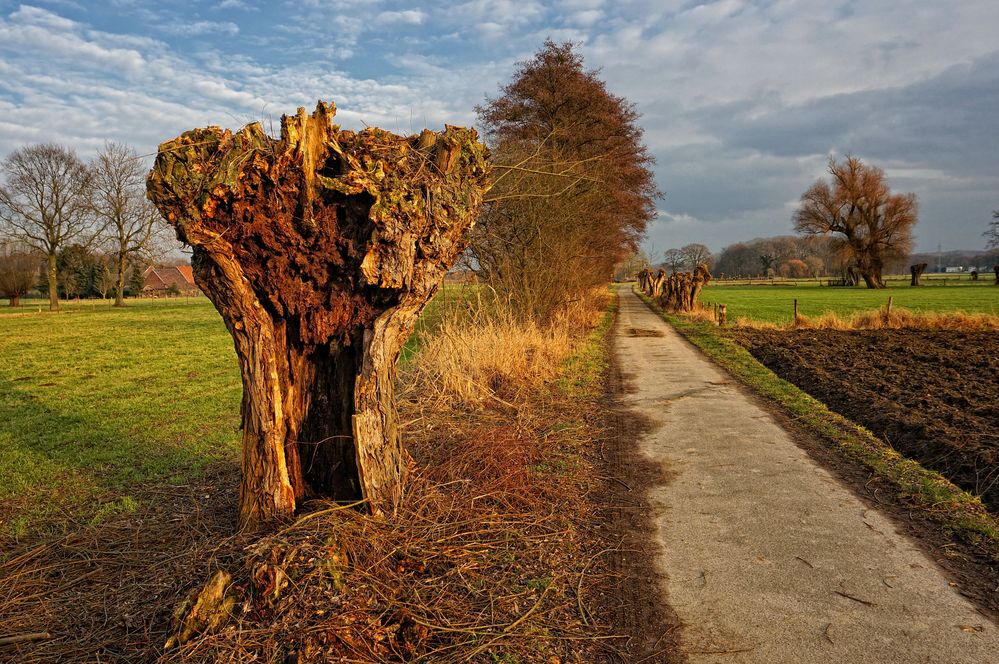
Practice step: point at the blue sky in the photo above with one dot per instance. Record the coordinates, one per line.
(742, 101)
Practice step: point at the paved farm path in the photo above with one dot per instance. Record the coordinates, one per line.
(768, 558)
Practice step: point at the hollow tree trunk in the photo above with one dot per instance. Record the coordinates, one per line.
(917, 272)
(53, 282)
(319, 250)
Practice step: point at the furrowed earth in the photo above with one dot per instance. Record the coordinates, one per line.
(933, 395)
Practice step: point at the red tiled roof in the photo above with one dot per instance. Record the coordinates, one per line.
(162, 278)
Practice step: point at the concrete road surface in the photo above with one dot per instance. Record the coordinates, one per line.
(768, 557)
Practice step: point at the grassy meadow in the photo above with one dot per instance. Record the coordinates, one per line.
(96, 402)
(775, 303)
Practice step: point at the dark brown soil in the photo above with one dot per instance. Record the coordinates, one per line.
(932, 395)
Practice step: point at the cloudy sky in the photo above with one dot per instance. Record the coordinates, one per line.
(742, 101)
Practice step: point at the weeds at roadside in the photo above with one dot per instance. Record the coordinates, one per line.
(879, 319)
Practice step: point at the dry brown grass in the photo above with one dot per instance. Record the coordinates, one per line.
(487, 559)
(880, 319)
(482, 355)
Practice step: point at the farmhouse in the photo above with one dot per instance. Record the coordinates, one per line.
(169, 280)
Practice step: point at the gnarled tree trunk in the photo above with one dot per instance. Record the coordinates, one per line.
(319, 249)
(917, 271)
(657, 284)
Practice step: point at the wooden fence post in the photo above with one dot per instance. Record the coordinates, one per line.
(721, 315)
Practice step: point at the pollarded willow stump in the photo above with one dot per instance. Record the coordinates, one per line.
(319, 249)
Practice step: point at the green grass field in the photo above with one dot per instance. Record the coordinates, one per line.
(95, 402)
(776, 303)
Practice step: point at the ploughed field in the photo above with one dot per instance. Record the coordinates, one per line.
(933, 395)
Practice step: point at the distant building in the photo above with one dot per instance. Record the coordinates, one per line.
(172, 280)
(959, 268)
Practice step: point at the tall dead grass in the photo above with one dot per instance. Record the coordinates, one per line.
(484, 353)
(881, 319)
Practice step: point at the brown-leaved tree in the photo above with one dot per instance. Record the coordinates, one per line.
(319, 249)
(858, 205)
(574, 189)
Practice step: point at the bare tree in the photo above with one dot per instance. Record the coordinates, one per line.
(132, 225)
(44, 203)
(859, 206)
(694, 255)
(106, 278)
(992, 232)
(18, 271)
(674, 260)
(816, 266)
(629, 268)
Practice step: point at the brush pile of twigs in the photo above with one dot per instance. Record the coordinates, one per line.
(485, 563)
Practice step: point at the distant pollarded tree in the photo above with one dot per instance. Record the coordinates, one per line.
(44, 204)
(857, 205)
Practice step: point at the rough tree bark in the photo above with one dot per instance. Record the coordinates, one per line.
(319, 249)
(852, 277)
(657, 284)
(917, 271)
(643, 280)
(700, 278)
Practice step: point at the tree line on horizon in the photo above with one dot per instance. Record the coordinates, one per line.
(852, 225)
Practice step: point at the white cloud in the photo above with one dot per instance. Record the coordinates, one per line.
(742, 101)
(408, 16)
(202, 28)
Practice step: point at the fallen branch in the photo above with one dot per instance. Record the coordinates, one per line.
(24, 638)
(855, 599)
